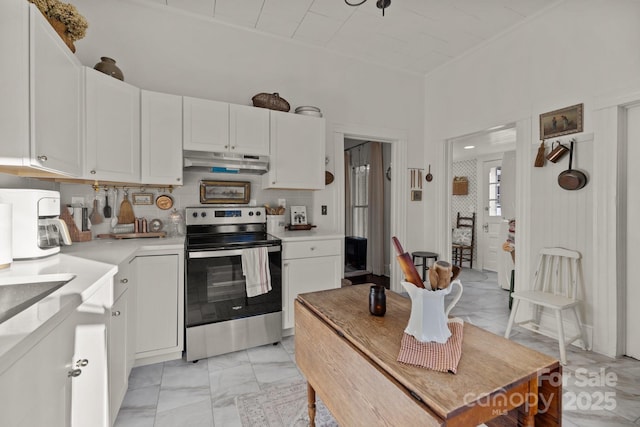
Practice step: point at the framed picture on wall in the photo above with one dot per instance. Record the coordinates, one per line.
(561, 122)
(298, 215)
(142, 198)
(225, 192)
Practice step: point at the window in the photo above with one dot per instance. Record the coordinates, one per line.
(360, 200)
(494, 191)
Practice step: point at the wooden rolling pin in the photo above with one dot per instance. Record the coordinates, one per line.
(408, 268)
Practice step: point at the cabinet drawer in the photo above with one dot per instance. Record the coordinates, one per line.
(315, 248)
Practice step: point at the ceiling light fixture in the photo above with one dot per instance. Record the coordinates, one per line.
(381, 4)
(469, 147)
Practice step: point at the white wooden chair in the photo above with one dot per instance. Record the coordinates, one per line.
(555, 289)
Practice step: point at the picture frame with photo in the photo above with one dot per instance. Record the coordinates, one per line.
(142, 198)
(298, 215)
(225, 192)
(561, 122)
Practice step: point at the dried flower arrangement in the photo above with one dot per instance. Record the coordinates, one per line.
(76, 24)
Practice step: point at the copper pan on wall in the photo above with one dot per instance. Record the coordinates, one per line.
(572, 179)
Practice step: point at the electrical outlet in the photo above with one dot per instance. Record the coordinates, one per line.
(324, 209)
(282, 202)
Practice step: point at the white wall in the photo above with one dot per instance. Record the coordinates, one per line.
(573, 53)
(159, 48)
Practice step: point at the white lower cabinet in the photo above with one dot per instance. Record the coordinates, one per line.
(62, 380)
(90, 388)
(40, 380)
(118, 375)
(159, 307)
(121, 336)
(308, 266)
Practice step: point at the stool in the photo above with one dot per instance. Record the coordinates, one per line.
(424, 256)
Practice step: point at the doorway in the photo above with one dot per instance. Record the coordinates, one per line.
(486, 160)
(367, 186)
(398, 199)
(489, 238)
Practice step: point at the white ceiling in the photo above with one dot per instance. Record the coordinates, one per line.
(480, 144)
(414, 35)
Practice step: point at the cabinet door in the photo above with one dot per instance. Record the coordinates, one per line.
(55, 101)
(248, 130)
(36, 390)
(307, 275)
(297, 152)
(161, 138)
(206, 125)
(113, 128)
(14, 84)
(90, 389)
(118, 374)
(157, 304)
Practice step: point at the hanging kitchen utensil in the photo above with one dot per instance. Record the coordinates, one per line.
(557, 152)
(429, 177)
(95, 216)
(126, 216)
(107, 209)
(539, 162)
(572, 179)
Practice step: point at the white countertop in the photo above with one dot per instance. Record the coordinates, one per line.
(115, 251)
(90, 262)
(19, 333)
(305, 235)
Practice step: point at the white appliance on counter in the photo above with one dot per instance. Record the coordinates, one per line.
(37, 229)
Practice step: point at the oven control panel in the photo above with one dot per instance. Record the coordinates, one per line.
(209, 215)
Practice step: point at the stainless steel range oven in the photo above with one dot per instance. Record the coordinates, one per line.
(219, 317)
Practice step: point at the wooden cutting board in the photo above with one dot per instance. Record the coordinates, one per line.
(131, 235)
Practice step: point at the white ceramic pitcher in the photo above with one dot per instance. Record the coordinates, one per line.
(428, 321)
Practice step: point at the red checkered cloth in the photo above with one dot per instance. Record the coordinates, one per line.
(432, 355)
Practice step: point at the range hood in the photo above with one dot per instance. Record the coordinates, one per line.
(226, 162)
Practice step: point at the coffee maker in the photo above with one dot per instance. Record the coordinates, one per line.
(37, 229)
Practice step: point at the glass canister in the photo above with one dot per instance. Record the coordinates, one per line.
(177, 227)
(377, 300)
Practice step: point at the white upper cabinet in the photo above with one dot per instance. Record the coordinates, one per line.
(297, 152)
(112, 129)
(161, 138)
(248, 130)
(206, 125)
(220, 127)
(56, 100)
(41, 106)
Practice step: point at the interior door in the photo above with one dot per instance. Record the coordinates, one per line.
(633, 233)
(490, 243)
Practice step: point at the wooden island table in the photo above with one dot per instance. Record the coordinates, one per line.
(349, 360)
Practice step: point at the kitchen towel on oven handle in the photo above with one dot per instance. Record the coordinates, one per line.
(255, 268)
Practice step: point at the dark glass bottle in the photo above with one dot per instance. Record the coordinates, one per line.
(377, 300)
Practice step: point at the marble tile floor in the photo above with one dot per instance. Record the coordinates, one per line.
(598, 391)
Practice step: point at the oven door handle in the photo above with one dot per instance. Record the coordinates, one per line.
(223, 253)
